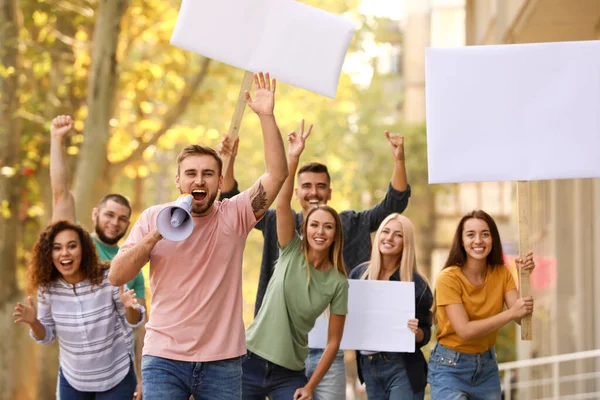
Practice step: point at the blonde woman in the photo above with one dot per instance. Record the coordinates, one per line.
(309, 276)
(392, 376)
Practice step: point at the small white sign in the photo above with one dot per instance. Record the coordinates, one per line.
(377, 320)
(513, 112)
(296, 43)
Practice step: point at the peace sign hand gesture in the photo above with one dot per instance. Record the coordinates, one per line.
(297, 141)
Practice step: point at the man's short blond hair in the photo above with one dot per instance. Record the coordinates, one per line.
(197, 150)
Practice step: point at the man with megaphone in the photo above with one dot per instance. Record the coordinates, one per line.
(195, 336)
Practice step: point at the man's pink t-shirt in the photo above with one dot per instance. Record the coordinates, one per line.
(196, 309)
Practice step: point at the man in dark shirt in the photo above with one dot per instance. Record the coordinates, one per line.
(313, 188)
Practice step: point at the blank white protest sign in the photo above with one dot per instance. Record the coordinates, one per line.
(297, 44)
(377, 320)
(513, 112)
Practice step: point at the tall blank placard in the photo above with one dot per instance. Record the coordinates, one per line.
(514, 112)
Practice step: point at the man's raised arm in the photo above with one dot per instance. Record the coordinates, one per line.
(399, 181)
(265, 190)
(63, 202)
(398, 193)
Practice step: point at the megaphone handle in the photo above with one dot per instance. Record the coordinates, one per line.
(177, 217)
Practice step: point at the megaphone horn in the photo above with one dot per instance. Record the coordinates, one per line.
(175, 222)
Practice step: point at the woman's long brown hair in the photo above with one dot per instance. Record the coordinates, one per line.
(335, 251)
(458, 255)
(42, 271)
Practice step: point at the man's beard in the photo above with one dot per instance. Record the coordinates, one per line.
(201, 209)
(105, 239)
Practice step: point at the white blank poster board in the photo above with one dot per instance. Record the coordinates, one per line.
(297, 44)
(377, 320)
(513, 112)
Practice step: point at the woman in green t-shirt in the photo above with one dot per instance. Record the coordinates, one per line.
(309, 277)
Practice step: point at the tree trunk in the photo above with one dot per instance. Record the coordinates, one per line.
(103, 78)
(17, 356)
(61, 55)
(10, 135)
(47, 356)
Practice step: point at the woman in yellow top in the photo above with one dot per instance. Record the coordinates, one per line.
(470, 294)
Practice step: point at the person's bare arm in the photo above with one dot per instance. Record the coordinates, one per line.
(266, 188)
(285, 217)
(398, 193)
(133, 313)
(334, 338)
(399, 180)
(227, 150)
(511, 297)
(284, 214)
(471, 330)
(126, 265)
(63, 202)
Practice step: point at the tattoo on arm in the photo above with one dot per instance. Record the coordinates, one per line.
(259, 202)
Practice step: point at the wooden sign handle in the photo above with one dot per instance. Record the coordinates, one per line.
(524, 276)
(236, 121)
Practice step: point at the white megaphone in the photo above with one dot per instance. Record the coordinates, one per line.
(175, 222)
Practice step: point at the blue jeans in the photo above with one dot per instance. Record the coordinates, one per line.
(263, 378)
(333, 384)
(385, 377)
(460, 376)
(163, 378)
(123, 390)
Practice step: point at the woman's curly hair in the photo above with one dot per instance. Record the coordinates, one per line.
(42, 271)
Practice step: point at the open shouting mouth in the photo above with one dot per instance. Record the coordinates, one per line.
(199, 194)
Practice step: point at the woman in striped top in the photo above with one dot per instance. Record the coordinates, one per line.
(92, 319)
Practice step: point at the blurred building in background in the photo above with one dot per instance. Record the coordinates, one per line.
(441, 23)
(564, 214)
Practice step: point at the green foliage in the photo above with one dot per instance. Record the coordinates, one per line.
(506, 344)
(56, 41)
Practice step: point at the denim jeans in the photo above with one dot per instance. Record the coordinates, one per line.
(263, 378)
(385, 377)
(163, 378)
(123, 390)
(460, 376)
(333, 384)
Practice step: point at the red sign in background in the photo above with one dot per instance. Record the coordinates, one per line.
(543, 276)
